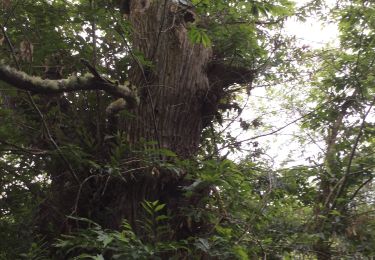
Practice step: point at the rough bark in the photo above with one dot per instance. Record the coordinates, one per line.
(173, 89)
(172, 97)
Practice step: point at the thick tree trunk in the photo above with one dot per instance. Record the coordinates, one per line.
(174, 87)
(172, 94)
(173, 91)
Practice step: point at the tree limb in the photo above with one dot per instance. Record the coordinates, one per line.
(34, 84)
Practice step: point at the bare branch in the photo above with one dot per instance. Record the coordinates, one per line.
(360, 188)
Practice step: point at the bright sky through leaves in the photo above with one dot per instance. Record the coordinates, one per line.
(313, 34)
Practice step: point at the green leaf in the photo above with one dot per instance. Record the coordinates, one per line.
(106, 239)
(203, 244)
(199, 36)
(167, 152)
(240, 252)
(335, 212)
(159, 207)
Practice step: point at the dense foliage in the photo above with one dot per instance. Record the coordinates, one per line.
(249, 207)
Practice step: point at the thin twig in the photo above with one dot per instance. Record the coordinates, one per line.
(79, 193)
(360, 187)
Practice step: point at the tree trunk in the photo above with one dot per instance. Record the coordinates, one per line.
(327, 195)
(173, 88)
(173, 94)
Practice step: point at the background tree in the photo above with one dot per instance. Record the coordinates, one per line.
(344, 122)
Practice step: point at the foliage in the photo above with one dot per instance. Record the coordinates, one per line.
(247, 207)
(98, 243)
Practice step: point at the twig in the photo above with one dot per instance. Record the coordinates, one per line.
(360, 187)
(79, 193)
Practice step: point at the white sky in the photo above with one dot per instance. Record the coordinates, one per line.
(312, 33)
(315, 34)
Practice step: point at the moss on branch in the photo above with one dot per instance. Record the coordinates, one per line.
(23, 81)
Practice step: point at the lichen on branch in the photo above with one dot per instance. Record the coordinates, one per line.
(22, 80)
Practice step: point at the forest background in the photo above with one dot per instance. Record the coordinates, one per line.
(136, 130)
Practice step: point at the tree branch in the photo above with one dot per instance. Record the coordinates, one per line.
(34, 84)
(14, 147)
